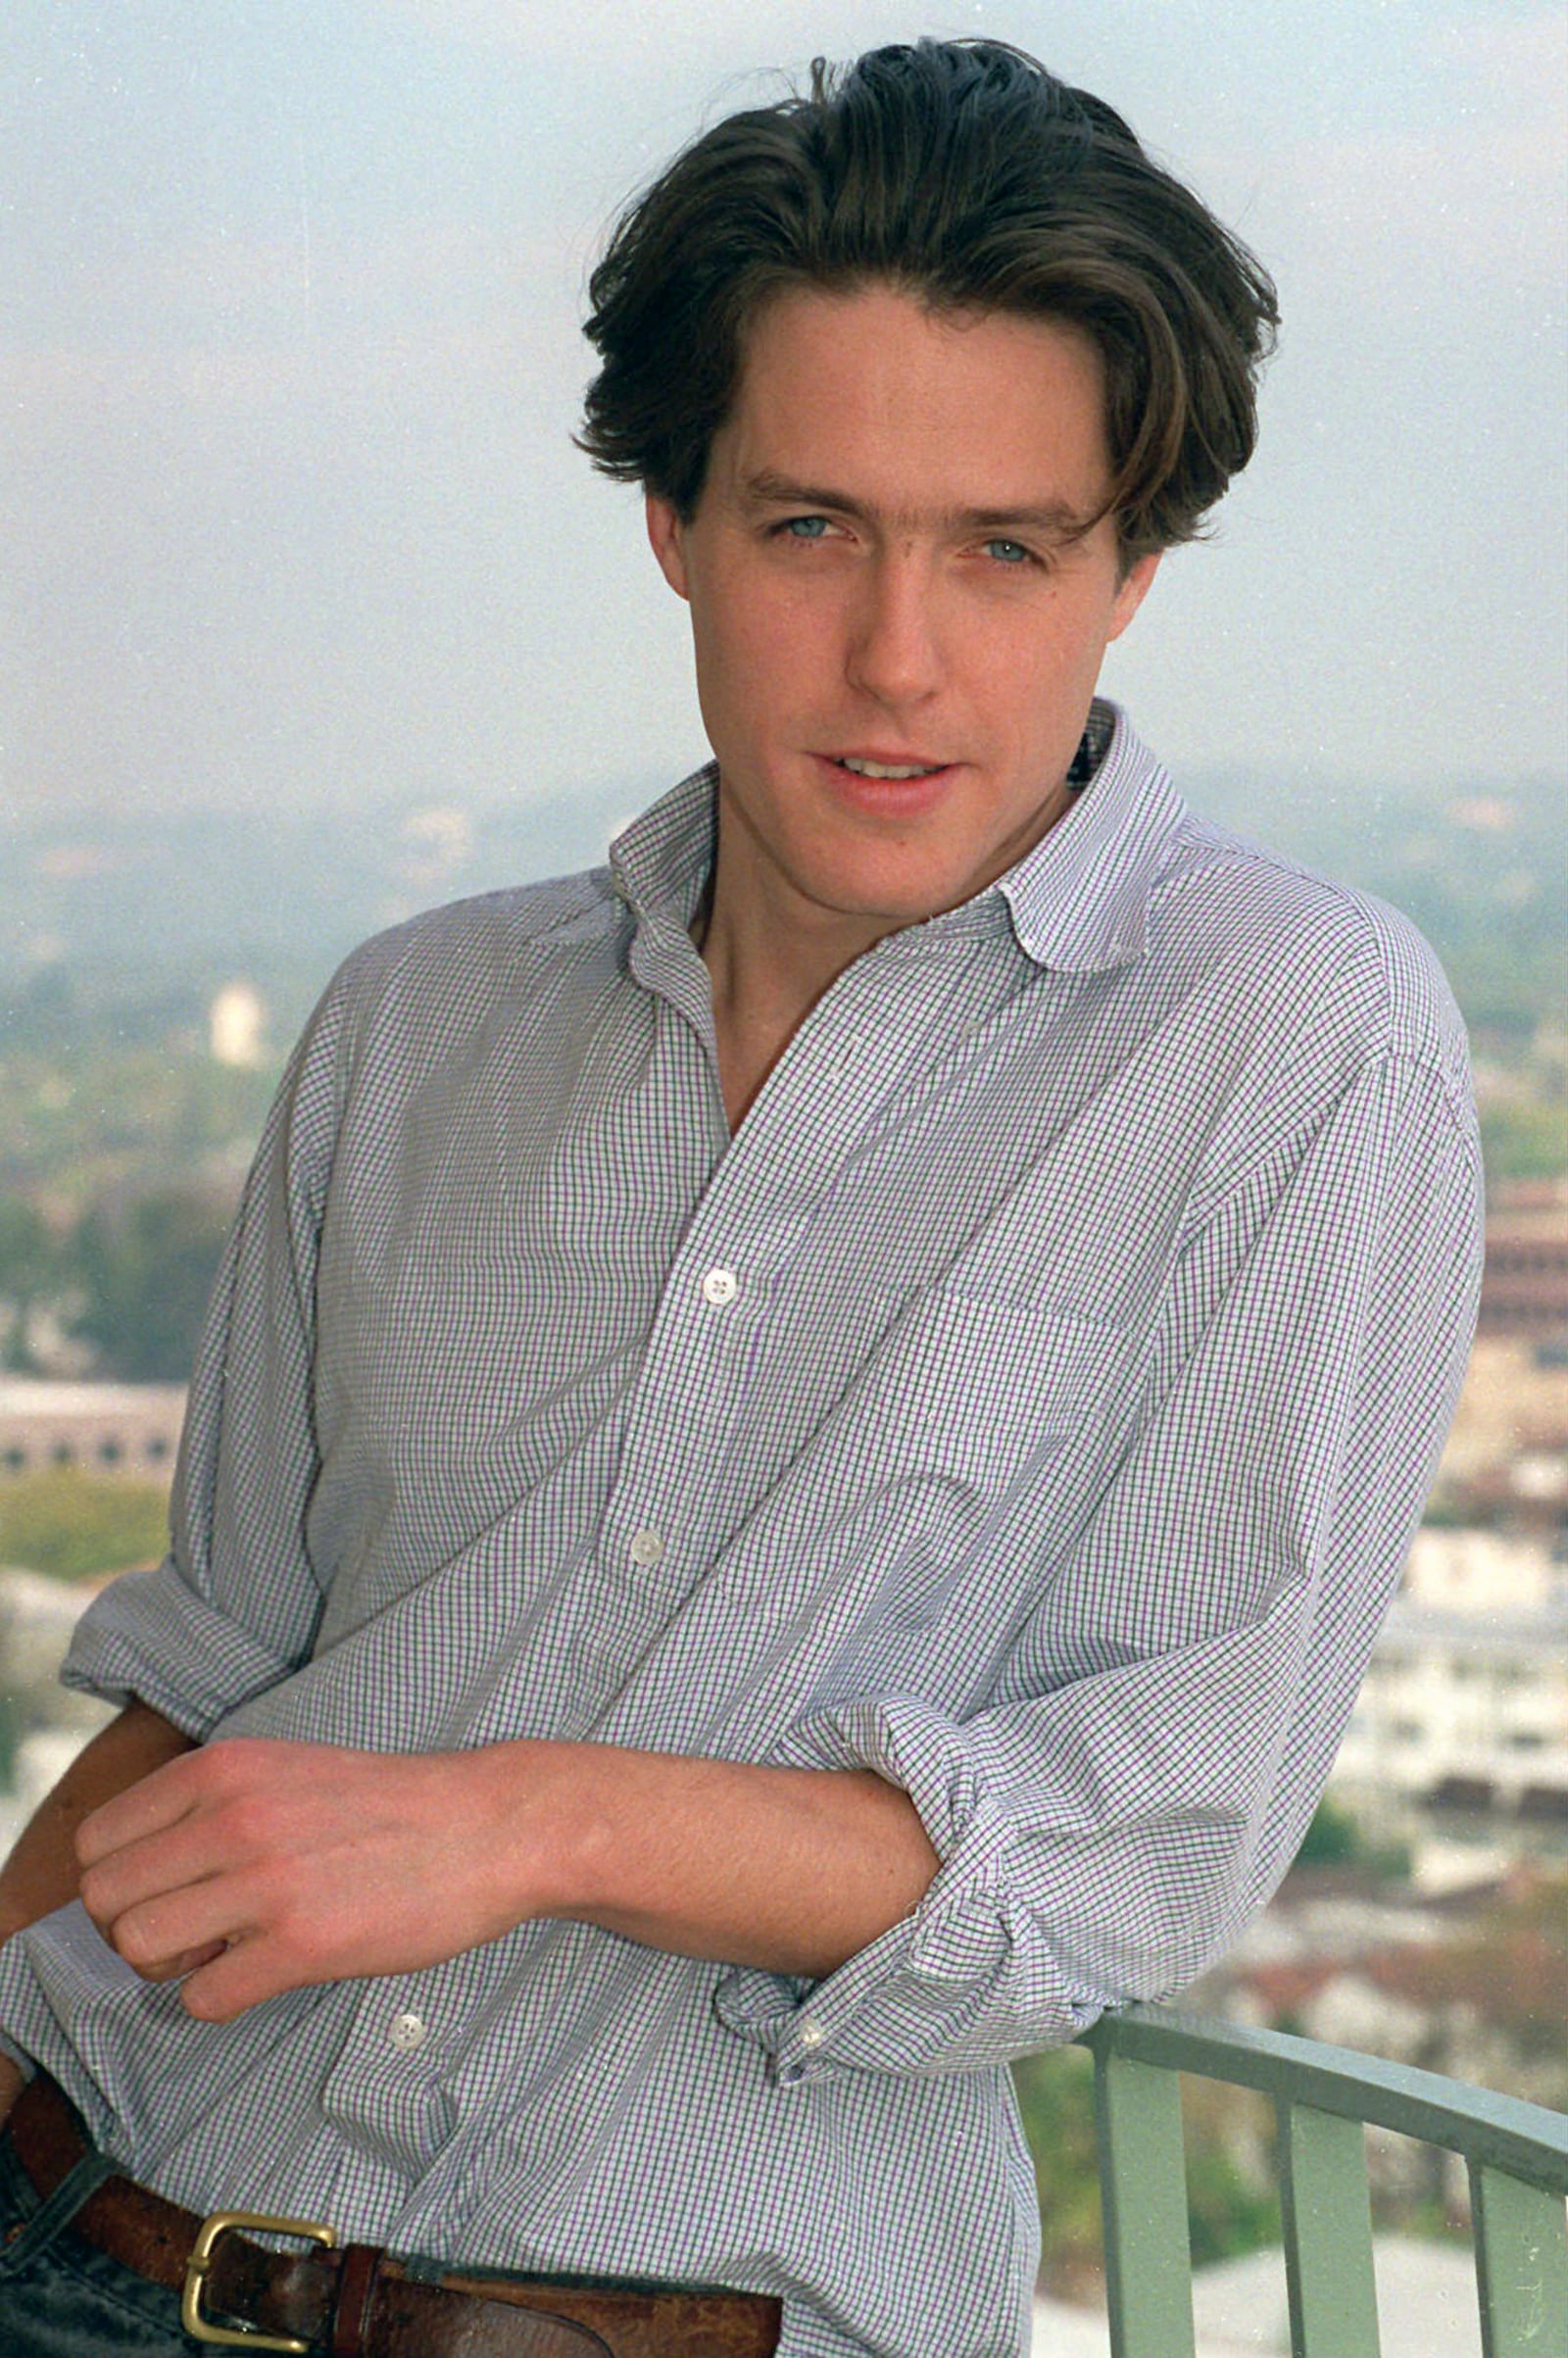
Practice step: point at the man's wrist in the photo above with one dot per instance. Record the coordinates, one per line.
(544, 1820)
(574, 1830)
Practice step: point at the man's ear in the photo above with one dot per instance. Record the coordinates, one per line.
(1132, 590)
(668, 541)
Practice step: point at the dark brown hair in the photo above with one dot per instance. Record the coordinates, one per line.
(964, 172)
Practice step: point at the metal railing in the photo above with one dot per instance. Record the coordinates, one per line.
(1324, 2098)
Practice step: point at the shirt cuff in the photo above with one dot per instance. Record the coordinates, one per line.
(968, 1981)
(149, 1637)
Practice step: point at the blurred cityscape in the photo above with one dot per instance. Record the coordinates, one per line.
(155, 973)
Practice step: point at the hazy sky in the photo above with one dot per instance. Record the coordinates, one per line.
(289, 360)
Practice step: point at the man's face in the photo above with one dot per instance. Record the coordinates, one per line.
(883, 575)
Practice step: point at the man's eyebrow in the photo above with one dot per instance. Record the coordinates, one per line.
(1055, 518)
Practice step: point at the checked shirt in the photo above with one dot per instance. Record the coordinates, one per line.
(1032, 1401)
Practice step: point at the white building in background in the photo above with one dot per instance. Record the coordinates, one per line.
(236, 1026)
(1466, 1702)
(112, 1429)
(1481, 1572)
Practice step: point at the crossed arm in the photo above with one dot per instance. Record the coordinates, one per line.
(252, 1866)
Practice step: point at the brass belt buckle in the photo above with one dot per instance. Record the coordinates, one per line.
(208, 2236)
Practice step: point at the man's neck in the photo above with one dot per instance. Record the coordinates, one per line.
(768, 973)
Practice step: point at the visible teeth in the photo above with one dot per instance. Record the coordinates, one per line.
(888, 770)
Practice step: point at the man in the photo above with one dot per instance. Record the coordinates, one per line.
(802, 1440)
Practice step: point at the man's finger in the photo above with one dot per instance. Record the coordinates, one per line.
(156, 1934)
(180, 1855)
(144, 1808)
(178, 1967)
(244, 1974)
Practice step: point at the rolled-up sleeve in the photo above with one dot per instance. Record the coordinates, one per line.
(234, 1604)
(1165, 1724)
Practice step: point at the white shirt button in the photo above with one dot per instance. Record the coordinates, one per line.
(719, 1286)
(812, 2032)
(407, 2033)
(647, 1547)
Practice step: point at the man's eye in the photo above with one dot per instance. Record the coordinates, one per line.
(1008, 552)
(806, 527)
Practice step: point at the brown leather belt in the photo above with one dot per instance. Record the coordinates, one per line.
(354, 2301)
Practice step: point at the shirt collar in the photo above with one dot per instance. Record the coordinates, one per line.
(658, 864)
(1077, 903)
(1079, 900)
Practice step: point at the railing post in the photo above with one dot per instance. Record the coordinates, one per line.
(1521, 2266)
(1517, 2154)
(1327, 2212)
(1143, 2180)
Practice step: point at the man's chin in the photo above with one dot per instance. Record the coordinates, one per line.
(886, 902)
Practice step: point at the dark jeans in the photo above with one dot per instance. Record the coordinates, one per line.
(59, 2298)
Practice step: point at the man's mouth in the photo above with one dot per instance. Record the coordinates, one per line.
(888, 770)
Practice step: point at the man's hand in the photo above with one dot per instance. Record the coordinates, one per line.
(254, 1866)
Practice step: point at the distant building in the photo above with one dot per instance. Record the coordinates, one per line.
(236, 1026)
(1481, 1572)
(1506, 1460)
(1466, 1707)
(1525, 1288)
(130, 1430)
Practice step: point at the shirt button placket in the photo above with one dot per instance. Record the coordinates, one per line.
(718, 1287)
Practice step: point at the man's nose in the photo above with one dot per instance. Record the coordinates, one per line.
(893, 652)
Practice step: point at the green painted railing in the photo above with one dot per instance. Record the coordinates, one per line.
(1516, 2153)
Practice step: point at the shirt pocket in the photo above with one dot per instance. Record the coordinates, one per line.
(978, 1433)
(970, 1389)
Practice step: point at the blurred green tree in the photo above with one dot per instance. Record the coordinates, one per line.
(29, 1275)
(145, 1272)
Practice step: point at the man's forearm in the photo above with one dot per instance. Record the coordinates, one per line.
(254, 1866)
(41, 1872)
(789, 1869)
